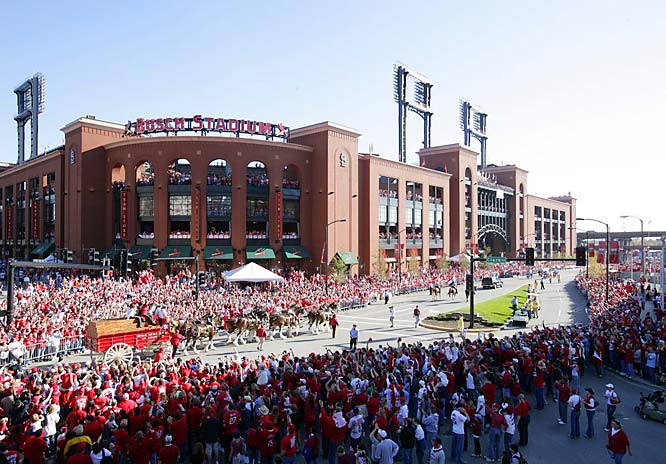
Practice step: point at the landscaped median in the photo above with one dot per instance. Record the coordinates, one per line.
(489, 315)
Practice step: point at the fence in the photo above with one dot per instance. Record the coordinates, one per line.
(45, 351)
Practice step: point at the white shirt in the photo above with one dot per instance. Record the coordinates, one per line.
(458, 420)
(511, 423)
(470, 382)
(610, 394)
(574, 400)
(419, 434)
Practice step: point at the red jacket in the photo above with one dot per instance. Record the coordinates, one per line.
(619, 442)
(330, 430)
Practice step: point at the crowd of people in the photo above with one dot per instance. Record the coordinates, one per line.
(359, 406)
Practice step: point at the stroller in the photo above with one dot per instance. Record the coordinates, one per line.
(648, 407)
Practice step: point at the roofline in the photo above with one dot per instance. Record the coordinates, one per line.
(320, 127)
(77, 123)
(549, 199)
(506, 167)
(208, 139)
(444, 148)
(369, 158)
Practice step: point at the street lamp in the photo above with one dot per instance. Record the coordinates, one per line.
(326, 241)
(642, 242)
(607, 248)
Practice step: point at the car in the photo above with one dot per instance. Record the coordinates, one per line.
(520, 318)
(506, 275)
(491, 282)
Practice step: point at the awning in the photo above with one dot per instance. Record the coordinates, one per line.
(43, 249)
(112, 251)
(139, 252)
(219, 252)
(259, 252)
(176, 252)
(347, 257)
(295, 252)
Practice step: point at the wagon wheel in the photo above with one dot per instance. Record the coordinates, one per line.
(120, 352)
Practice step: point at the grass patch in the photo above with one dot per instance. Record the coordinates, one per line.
(499, 309)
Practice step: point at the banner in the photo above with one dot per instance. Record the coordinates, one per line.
(9, 222)
(397, 251)
(124, 222)
(614, 250)
(601, 257)
(34, 229)
(278, 209)
(590, 248)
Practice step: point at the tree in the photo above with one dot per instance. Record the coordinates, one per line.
(442, 262)
(380, 267)
(413, 263)
(338, 270)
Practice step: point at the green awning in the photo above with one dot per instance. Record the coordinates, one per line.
(139, 252)
(112, 251)
(219, 252)
(43, 249)
(176, 252)
(259, 252)
(347, 257)
(295, 252)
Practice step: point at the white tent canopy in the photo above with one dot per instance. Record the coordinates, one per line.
(459, 258)
(251, 272)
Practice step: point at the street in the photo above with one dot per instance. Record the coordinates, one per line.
(561, 304)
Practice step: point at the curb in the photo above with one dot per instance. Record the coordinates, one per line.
(425, 325)
(637, 381)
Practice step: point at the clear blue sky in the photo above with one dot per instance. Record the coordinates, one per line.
(575, 91)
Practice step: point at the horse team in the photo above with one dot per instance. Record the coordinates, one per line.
(242, 329)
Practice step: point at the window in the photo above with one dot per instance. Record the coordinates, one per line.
(219, 205)
(409, 215)
(393, 215)
(291, 209)
(562, 216)
(382, 215)
(257, 208)
(146, 206)
(418, 217)
(180, 205)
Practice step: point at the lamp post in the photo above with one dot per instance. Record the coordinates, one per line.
(326, 241)
(642, 242)
(607, 248)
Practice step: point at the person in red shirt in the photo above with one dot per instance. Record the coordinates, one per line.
(175, 340)
(563, 403)
(334, 324)
(93, 428)
(140, 449)
(178, 430)
(35, 448)
(169, 453)
(230, 421)
(81, 455)
(288, 445)
(268, 436)
(618, 442)
(523, 415)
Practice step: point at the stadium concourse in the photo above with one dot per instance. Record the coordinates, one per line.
(411, 394)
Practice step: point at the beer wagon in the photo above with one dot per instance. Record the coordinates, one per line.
(118, 339)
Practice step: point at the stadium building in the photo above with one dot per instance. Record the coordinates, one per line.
(229, 191)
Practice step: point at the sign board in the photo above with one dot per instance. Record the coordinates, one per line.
(495, 259)
(199, 123)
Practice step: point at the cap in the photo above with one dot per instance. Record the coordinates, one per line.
(610, 385)
(382, 433)
(437, 442)
(574, 390)
(168, 439)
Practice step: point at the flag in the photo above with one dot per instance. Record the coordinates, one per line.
(323, 252)
(423, 163)
(446, 169)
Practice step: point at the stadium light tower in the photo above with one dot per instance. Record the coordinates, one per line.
(473, 124)
(411, 91)
(30, 103)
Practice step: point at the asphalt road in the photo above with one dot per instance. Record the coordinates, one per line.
(561, 304)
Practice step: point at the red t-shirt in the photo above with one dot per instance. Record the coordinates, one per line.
(169, 454)
(231, 420)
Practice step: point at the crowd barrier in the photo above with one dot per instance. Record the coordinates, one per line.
(45, 351)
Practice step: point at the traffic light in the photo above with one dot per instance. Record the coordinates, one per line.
(91, 256)
(154, 254)
(96, 259)
(581, 256)
(125, 264)
(69, 256)
(529, 256)
(469, 282)
(201, 279)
